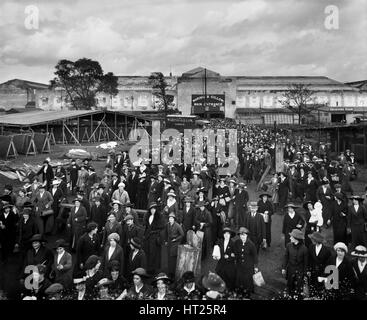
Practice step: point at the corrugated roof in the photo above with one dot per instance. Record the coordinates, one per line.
(25, 84)
(42, 117)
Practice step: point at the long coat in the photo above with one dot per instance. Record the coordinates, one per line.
(117, 255)
(295, 263)
(139, 261)
(240, 207)
(256, 226)
(115, 228)
(57, 196)
(65, 275)
(326, 199)
(142, 194)
(99, 215)
(153, 242)
(360, 282)
(26, 229)
(283, 191)
(246, 261)
(357, 223)
(339, 222)
(262, 208)
(206, 218)
(86, 247)
(46, 176)
(317, 264)
(8, 234)
(131, 187)
(173, 235)
(226, 267)
(42, 256)
(188, 222)
(40, 205)
(291, 223)
(311, 187)
(77, 221)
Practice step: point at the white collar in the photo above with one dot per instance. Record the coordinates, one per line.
(189, 290)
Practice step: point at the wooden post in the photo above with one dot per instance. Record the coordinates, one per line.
(115, 122)
(126, 131)
(78, 128)
(63, 133)
(91, 125)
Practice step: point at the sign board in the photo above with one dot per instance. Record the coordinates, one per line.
(214, 103)
(181, 122)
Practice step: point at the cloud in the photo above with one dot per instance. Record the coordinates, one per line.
(234, 37)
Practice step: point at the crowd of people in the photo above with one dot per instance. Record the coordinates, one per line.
(123, 227)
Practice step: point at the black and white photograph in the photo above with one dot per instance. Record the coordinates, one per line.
(185, 150)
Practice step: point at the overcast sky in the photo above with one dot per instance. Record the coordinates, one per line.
(232, 37)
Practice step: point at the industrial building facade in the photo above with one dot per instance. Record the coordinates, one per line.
(249, 99)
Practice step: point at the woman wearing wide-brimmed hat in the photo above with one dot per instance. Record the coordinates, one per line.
(196, 183)
(292, 220)
(188, 288)
(340, 260)
(62, 266)
(295, 263)
(116, 210)
(359, 265)
(171, 206)
(214, 285)
(77, 221)
(21, 198)
(357, 221)
(226, 268)
(140, 290)
(161, 287)
(154, 226)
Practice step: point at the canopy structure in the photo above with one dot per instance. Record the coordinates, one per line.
(74, 126)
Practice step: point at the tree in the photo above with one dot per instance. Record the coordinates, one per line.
(299, 99)
(109, 85)
(159, 86)
(82, 80)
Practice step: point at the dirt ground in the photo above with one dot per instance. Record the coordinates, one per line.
(269, 259)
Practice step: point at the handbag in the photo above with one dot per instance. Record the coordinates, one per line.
(47, 212)
(258, 279)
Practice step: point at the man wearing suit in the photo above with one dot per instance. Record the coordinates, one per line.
(43, 201)
(137, 257)
(357, 222)
(318, 256)
(77, 222)
(254, 222)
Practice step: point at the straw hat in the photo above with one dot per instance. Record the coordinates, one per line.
(360, 252)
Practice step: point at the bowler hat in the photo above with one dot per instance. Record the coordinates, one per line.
(136, 242)
(213, 282)
(297, 234)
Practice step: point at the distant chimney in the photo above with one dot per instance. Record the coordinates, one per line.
(170, 74)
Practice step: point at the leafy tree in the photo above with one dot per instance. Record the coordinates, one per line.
(299, 99)
(164, 100)
(82, 80)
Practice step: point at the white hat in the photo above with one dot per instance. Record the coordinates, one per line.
(56, 182)
(121, 184)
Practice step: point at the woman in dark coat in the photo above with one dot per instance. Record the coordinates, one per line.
(283, 190)
(311, 187)
(203, 221)
(345, 273)
(246, 263)
(112, 226)
(142, 191)
(112, 252)
(47, 174)
(154, 226)
(292, 220)
(265, 207)
(226, 267)
(8, 230)
(339, 219)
